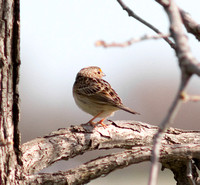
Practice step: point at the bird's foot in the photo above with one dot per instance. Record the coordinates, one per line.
(101, 122)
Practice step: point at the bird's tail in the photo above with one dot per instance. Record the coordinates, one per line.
(127, 109)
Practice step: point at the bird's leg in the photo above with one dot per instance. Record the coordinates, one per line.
(91, 121)
(101, 122)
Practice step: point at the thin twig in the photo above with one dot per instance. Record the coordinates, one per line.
(163, 126)
(131, 41)
(132, 14)
(185, 97)
(185, 57)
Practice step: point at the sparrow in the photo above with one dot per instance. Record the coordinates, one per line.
(95, 96)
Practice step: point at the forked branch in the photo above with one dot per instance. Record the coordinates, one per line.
(106, 164)
(177, 145)
(188, 65)
(135, 16)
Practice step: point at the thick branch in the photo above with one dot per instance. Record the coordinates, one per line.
(9, 97)
(189, 65)
(67, 143)
(173, 157)
(95, 168)
(191, 26)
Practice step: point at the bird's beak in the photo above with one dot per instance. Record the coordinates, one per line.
(103, 74)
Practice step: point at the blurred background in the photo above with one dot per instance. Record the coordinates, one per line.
(58, 39)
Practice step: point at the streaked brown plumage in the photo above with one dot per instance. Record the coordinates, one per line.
(95, 96)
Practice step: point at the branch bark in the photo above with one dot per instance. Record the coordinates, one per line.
(173, 157)
(134, 15)
(188, 66)
(192, 26)
(75, 140)
(135, 137)
(129, 42)
(9, 101)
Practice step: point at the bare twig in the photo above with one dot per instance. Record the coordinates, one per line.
(191, 26)
(188, 65)
(158, 137)
(185, 57)
(131, 41)
(185, 97)
(132, 14)
(193, 67)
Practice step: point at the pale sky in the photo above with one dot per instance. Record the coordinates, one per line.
(57, 40)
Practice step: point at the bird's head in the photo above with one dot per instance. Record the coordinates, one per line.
(92, 71)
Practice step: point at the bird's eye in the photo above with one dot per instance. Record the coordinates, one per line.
(99, 72)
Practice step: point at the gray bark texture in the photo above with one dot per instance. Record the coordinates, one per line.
(9, 114)
(21, 164)
(178, 148)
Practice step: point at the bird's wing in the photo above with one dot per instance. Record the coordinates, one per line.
(87, 86)
(100, 91)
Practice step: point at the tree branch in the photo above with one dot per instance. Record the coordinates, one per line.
(185, 97)
(9, 102)
(191, 26)
(132, 14)
(169, 118)
(131, 41)
(95, 168)
(188, 65)
(104, 165)
(75, 140)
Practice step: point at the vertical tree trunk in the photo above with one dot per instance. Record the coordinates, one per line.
(9, 97)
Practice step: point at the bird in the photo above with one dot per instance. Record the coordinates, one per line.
(95, 96)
